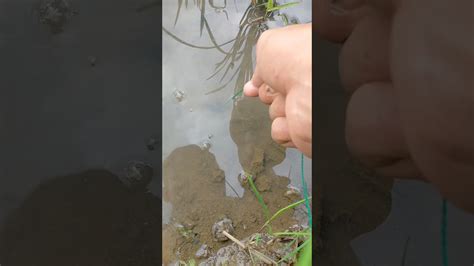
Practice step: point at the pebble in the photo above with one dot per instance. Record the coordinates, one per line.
(220, 226)
(203, 252)
(179, 95)
(205, 145)
(292, 192)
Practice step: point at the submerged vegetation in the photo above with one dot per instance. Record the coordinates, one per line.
(237, 62)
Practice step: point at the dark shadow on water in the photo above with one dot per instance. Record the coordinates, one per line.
(85, 219)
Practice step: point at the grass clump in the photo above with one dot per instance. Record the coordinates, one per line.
(300, 253)
(237, 63)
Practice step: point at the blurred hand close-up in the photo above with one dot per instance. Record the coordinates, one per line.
(408, 118)
(405, 118)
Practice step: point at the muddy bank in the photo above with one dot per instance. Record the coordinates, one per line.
(195, 186)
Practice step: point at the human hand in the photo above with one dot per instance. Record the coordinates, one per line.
(407, 65)
(282, 79)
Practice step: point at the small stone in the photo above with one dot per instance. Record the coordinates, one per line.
(205, 145)
(179, 95)
(301, 215)
(220, 226)
(295, 228)
(191, 110)
(210, 136)
(292, 193)
(203, 252)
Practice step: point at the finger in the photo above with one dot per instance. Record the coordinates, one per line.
(288, 144)
(364, 57)
(280, 132)
(250, 90)
(335, 21)
(277, 108)
(266, 94)
(251, 87)
(373, 129)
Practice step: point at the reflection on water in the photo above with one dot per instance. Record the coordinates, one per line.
(199, 115)
(90, 218)
(61, 115)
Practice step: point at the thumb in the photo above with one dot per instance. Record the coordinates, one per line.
(251, 87)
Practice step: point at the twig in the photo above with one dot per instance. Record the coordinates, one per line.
(238, 242)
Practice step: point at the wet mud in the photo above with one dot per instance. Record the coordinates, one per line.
(195, 186)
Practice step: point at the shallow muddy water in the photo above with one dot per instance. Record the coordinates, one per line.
(208, 140)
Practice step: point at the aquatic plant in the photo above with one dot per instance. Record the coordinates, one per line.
(237, 64)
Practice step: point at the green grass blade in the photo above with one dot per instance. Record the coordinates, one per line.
(296, 250)
(305, 193)
(305, 258)
(259, 198)
(284, 17)
(270, 4)
(280, 7)
(281, 211)
(296, 234)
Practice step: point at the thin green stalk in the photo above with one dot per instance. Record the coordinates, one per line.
(296, 250)
(306, 255)
(280, 7)
(305, 193)
(280, 211)
(296, 234)
(260, 199)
